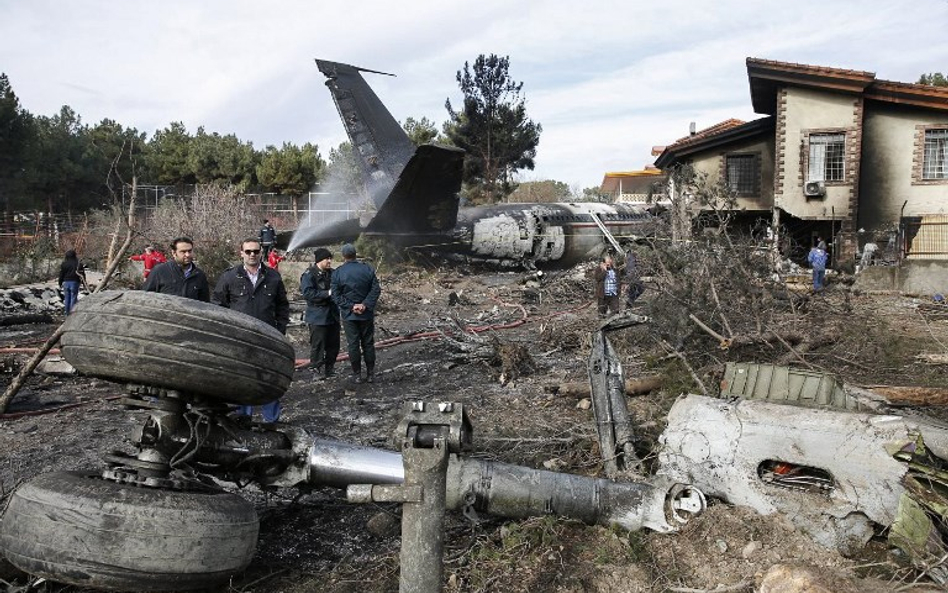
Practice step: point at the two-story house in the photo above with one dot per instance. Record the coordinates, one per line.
(840, 154)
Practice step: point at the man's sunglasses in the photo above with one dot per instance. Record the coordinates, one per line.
(251, 251)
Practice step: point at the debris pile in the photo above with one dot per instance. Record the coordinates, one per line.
(37, 298)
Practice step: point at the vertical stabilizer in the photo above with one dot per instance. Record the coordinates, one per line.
(379, 143)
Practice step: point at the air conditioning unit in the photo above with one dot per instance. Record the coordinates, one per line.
(814, 189)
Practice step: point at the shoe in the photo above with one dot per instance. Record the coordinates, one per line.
(370, 377)
(357, 378)
(329, 373)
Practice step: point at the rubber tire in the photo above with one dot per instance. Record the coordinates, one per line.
(178, 343)
(77, 528)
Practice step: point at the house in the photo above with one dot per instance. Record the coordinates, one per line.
(839, 154)
(634, 187)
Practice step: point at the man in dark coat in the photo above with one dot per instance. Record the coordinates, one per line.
(268, 237)
(322, 314)
(256, 290)
(356, 290)
(633, 279)
(180, 276)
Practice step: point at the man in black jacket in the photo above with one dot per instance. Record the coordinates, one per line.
(180, 276)
(267, 236)
(256, 290)
(322, 314)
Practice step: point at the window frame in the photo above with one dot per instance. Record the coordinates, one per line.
(918, 157)
(827, 162)
(752, 178)
(931, 151)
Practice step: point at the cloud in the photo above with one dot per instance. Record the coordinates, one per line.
(606, 81)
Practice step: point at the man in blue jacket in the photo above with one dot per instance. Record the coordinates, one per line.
(817, 258)
(322, 314)
(356, 290)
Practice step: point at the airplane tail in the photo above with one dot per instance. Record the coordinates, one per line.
(415, 191)
(425, 199)
(379, 143)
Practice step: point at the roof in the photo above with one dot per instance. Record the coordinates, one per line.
(705, 133)
(766, 77)
(727, 131)
(638, 179)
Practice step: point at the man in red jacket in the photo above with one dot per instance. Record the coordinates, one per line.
(151, 258)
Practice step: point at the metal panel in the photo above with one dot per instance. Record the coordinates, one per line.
(781, 384)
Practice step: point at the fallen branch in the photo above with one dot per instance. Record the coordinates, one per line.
(129, 235)
(684, 361)
(20, 379)
(724, 342)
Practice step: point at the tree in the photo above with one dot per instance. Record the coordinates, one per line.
(420, 131)
(16, 130)
(223, 160)
(116, 152)
(344, 176)
(934, 79)
(167, 156)
(492, 126)
(59, 169)
(541, 191)
(291, 170)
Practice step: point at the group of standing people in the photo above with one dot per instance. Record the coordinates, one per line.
(344, 297)
(349, 295)
(610, 281)
(249, 287)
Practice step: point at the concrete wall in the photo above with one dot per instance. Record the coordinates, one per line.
(807, 111)
(912, 277)
(891, 146)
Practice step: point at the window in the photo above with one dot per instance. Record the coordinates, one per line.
(742, 175)
(935, 165)
(827, 157)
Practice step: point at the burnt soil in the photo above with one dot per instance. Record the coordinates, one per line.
(314, 540)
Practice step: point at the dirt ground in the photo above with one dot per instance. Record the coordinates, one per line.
(316, 541)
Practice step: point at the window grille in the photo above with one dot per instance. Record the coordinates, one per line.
(742, 175)
(935, 165)
(827, 157)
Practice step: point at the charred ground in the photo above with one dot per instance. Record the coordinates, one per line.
(528, 341)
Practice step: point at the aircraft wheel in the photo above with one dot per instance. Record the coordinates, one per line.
(77, 528)
(178, 343)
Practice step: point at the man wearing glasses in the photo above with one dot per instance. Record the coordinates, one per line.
(256, 290)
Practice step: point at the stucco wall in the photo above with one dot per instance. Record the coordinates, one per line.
(807, 111)
(889, 150)
(712, 163)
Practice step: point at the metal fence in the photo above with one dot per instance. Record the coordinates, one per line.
(925, 237)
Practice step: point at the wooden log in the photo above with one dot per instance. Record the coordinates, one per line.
(24, 318)
(915, 396)
(632, 387)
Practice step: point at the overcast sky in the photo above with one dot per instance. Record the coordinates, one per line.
(606, 80)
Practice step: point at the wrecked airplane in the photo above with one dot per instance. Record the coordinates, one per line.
(158, 518)
(835, 460)
(415, 194)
